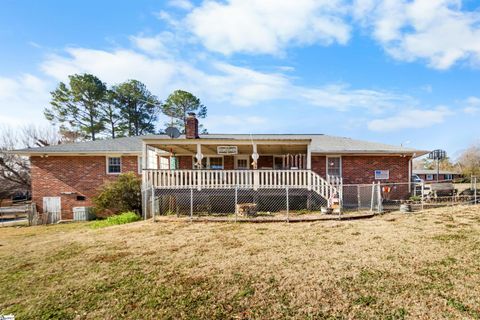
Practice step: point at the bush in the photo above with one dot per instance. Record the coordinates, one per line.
(123, 218)
(121, 195)
(415, 198)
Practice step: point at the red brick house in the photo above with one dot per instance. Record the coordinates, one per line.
(431, 175)
(70, 174)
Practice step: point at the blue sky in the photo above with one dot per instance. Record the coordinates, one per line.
(398, 72)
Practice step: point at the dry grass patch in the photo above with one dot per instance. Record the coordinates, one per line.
(389, 267)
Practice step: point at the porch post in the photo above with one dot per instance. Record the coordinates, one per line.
(199, 157)
(309, 157)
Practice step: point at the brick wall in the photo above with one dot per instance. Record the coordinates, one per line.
(228, 163)
(319, 165)
(185, 162)
(357, 170)
(265, 162)
(361, 169)
(79, 175)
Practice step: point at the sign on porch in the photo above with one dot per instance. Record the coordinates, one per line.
(227, 150)
(382, 174)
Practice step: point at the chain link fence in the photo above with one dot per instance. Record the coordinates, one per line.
(235, 204)
(297, 204)
(382, 197)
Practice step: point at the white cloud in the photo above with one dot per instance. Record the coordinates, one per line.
(267, 26)
(438, 31)
(23, 99)
(472, 105)
(341, 98)
(181, 4)
(152, 45)
(112, 67)
(215, 81)
(410, 119)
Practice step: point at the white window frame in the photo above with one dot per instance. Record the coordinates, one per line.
(107, 162)
(448, 176)
(140, 164)
(429, 177)
(340, 167)
(242, 157)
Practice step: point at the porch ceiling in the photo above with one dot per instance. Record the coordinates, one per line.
(211, 149)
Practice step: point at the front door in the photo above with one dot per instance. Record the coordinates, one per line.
(242, 162)
(52, 207)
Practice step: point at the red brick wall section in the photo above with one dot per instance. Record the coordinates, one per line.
(265, 162)
(228, 163)
(79, 175)
(361, 169)
(185, 162)
(318, 165)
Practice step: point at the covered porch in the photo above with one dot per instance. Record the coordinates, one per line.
(210, 163)
(213, 154)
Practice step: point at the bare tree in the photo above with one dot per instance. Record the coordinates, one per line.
(15, 169)
(469, 161)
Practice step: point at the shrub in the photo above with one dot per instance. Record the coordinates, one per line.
(123, 218)
(415, 198)
(121, 195)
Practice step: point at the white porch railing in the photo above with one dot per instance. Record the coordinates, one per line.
(252, 179)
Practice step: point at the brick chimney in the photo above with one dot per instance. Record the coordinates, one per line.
(191, 127)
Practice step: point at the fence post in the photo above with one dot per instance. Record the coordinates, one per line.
(191, 204)
(422, 195)
(475, 189)
(153, 203)
(373, 197)
(236, 203)
(359, 202)
(144, 203)
(288, 205)
(379, 199)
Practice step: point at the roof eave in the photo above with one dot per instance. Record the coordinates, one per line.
(73, 153)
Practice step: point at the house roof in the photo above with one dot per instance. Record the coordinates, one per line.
(120, 145)
(133, 145)
(428, 171)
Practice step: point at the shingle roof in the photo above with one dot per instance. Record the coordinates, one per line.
(119, 145)
(319, 144)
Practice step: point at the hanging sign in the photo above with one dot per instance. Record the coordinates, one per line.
(382, 174)
(227, 150)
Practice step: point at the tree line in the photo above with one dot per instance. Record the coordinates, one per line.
(87, 107)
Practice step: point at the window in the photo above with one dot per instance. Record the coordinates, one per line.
(214, 163)
(429, 177)
(81, 198)
(334, 166)
(448, 176)
(242, 162)
(114, 165)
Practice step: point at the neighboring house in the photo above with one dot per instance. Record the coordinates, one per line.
(431, 175)
(69, 175)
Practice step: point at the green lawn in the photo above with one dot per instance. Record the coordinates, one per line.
(424, 265)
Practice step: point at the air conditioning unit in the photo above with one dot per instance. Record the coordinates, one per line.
(83, 214)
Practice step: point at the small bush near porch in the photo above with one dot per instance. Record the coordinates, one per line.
(396, 266)
(122, 195)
